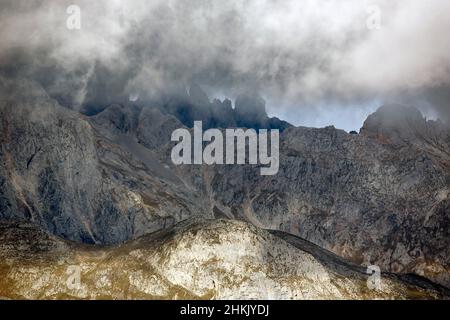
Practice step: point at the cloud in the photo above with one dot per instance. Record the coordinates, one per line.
(301, 55)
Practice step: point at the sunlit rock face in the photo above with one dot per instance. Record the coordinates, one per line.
(379, 197)
(214, 259)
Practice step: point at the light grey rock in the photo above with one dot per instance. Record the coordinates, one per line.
(373, 200)
(380, 197)
(206, 259)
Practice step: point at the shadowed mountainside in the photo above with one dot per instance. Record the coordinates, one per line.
(380, 197)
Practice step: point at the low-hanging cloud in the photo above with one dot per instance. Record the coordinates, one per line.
(298, 54)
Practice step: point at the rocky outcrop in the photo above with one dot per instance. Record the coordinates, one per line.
(199, 259)
(398, 125)
(381, 197)
(373, 198)
(87, 181)
(249, 111)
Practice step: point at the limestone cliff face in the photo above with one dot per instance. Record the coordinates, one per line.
(207, 259)
(381, 197)
(87, 183)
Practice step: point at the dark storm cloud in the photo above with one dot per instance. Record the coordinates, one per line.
(298, 54)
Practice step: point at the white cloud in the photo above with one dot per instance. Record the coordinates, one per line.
(303, 54)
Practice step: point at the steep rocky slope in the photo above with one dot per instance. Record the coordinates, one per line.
(381, 197)
(213, 259)
(369, 199)
(58, 171)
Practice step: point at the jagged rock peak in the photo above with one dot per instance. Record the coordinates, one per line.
(395, 123)
(197, 96)
(225, 104)
(118, 117)
(250, 104)
(393, 115)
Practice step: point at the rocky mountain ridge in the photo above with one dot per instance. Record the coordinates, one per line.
(380, 197)
(196, 259)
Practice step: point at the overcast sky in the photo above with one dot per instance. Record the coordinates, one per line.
(316, 62)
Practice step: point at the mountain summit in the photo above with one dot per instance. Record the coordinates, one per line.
(381, 197)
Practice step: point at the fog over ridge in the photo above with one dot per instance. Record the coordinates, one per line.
(311, 60)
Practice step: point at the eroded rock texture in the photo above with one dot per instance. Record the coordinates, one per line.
(82, 183)
(378, 197)
(207, 259)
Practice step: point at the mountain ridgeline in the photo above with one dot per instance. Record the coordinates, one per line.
(194, 105)
(379, 197)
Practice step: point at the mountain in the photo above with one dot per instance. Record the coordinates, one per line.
(60, 170)
(373, 198)
(380, 197)
(196, 259)
(249, 111)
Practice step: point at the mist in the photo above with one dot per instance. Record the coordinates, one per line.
(316, 63)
